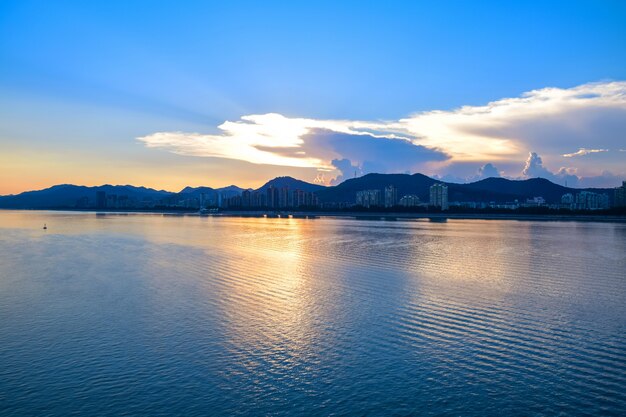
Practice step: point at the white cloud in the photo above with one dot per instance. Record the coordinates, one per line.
(583, 151)
(488, 171)
(551, 121)
(534, 168)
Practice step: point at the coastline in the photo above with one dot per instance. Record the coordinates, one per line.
(372, 216)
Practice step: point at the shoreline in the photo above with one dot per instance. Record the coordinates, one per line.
(371, 216)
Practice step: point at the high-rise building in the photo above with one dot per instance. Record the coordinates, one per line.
(246, 198)
(283, 197)
(272, 197)
(299, 198)
(391, 196)
(368, 198)
(620, 195)
(410, 200)
(439, 196)
(101, 199)
(567, 201)
(586, 200)
(204, 200)
(111, 201)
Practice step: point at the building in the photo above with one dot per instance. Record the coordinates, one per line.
(368, 198)
(620, 195)
(246, 198)
(439, 196)
(409, 200)
(204, 200)
(391, 196)
(586, 200)
(568, 201)
(535, 202)
(101, 199)
(111, 201)
(283, 198)
(123, 202)
(301, 198)
(272, 197)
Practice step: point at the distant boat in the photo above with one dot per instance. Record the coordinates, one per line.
(45, 227)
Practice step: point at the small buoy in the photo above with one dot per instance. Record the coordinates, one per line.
(45, 227)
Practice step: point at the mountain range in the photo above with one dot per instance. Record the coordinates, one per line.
(486, 190)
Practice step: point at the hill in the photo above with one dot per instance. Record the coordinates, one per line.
(292, 184)
(406, 184)
(498, 190)
(67, 195)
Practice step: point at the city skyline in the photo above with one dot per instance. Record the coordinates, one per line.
(238, 93)
(374, 192)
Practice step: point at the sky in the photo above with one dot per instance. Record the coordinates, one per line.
(167, 94)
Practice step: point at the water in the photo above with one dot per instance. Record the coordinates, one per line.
(155, 315)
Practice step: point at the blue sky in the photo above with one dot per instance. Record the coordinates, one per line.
(80, 82)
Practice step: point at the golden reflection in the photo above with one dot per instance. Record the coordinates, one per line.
(479, 251)
(269, 303)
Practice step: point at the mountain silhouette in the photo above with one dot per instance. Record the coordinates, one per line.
(292, 184)
(497, 190)
(67, 195)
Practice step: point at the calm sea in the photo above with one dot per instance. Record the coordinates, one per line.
(109, 315)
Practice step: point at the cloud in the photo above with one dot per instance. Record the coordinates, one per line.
(346, 169)
(277, 140)
(584, 151)
(568, 176)
(534, 168)
(488, 171)
(370, 153)
(550, 121)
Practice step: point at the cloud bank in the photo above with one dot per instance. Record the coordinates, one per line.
(549, 121)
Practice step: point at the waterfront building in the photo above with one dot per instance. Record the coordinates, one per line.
(123, 202)
(204, 200)
(272, 197)
(101, 199)
(439, 196)
(567, 201)
(535, 202)
(409, 200)
(283, 198)
(391, 196)
(246, 198)
(368, 198)
(620, 195)
(587, 200)
(299, 198)
(111, 201)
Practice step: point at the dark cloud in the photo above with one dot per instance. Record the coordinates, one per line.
(488, 171)
(366, 153)
(346, 169)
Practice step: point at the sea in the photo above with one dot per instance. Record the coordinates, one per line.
(111, 314)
